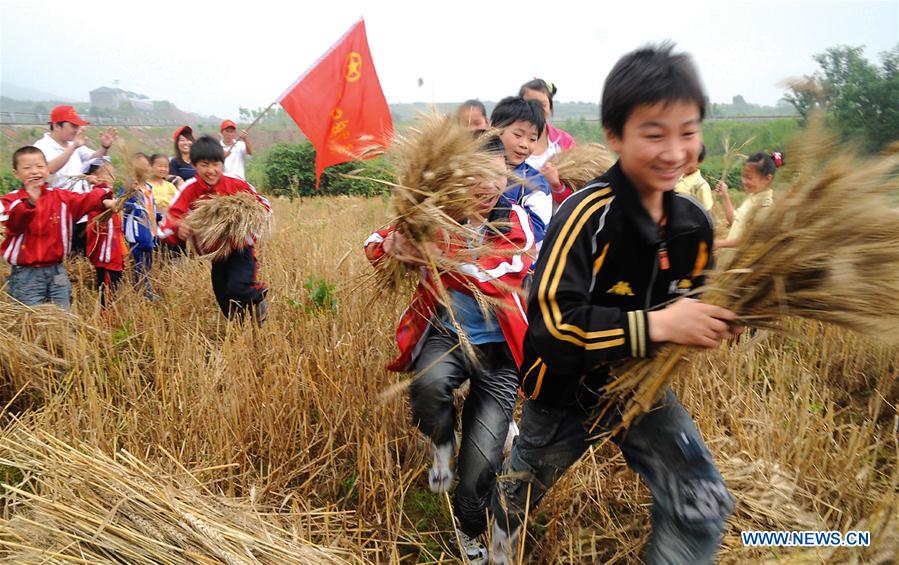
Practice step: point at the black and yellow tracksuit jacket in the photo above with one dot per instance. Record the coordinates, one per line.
(603, 265)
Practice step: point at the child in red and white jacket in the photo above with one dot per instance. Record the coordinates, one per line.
(234, 281)
(429, 346)
(38, 221)
(105, 241)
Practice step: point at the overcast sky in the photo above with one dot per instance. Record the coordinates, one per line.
(212, 57)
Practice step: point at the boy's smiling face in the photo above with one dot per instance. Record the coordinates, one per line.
(209, 171)
(657, 144)
(31, 169)
(518, 139)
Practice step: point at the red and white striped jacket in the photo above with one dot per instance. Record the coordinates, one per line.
(106, 241)
(196, 189)
(40, 234)
(493, 274)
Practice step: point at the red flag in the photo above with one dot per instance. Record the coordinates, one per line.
(338, 103)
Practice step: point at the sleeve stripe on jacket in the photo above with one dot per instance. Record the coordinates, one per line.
(549, 307)
(636, 322)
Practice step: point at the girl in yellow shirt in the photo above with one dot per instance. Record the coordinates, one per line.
(758, 174)
(692, 183)
(163, 190)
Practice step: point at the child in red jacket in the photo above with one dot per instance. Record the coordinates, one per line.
(106, 240)
(38, 221)
(234, 282)
(429, 346)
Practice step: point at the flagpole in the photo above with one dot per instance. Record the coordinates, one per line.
(259, 117)
(249, 127)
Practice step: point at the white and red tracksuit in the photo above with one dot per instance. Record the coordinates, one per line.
(493, 274)
(40, 234)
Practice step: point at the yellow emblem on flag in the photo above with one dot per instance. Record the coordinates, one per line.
(353, 67)
(621, 288)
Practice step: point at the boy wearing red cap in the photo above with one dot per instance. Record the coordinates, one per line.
(237, 148)
(64, 145)
(64, 148)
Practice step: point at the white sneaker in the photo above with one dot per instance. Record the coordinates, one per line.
(503, 547)
(440, 477)
(473, 551)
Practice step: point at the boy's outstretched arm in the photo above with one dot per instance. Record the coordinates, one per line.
(93, 201)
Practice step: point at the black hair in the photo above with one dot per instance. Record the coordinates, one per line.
(27, 150)
(207, 148)
(155, 156)
(141, 154)
(701, 157)
(516, 109)
(95, 167)
(185, 135)
(492, 145)
(473, 103)
(540, 85)
(766, 163)
(57, 124)
(648, 76)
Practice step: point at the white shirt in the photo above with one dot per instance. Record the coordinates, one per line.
(537, 161)
(234, 162)
(51, 150)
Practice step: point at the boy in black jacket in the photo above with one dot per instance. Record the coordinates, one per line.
(617, 249)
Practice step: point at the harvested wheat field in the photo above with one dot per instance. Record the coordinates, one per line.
(158, 433)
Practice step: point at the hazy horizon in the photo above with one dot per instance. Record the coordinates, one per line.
(223, 55)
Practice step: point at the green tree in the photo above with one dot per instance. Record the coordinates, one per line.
(289, 170)
(858, 96)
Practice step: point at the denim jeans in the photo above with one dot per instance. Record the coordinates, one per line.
(689, 500)
(40, 285)
(485, 415)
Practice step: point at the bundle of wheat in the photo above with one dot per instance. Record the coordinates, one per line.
(767, 495)
(137, 171)
(38, 342)
(223, 224)
(434, 201)
(582, 163)
(80, 505)
(828, 251)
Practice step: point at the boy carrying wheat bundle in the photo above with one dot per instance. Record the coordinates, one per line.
(468, 246)
(222, 215)
(618, 247)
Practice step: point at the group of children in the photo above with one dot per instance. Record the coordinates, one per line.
(63, 210)
(605, 267)
(608, 284)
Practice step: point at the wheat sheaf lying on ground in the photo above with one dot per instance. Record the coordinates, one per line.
(80, 505)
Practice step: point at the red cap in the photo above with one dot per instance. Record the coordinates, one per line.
(66, 114)
(186, 130)
(227, 124)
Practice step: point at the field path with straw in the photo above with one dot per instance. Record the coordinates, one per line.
(166, 435)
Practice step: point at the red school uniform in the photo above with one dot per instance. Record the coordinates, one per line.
(196, 189)
(106, 241)
(493, 274)
(40, 234)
